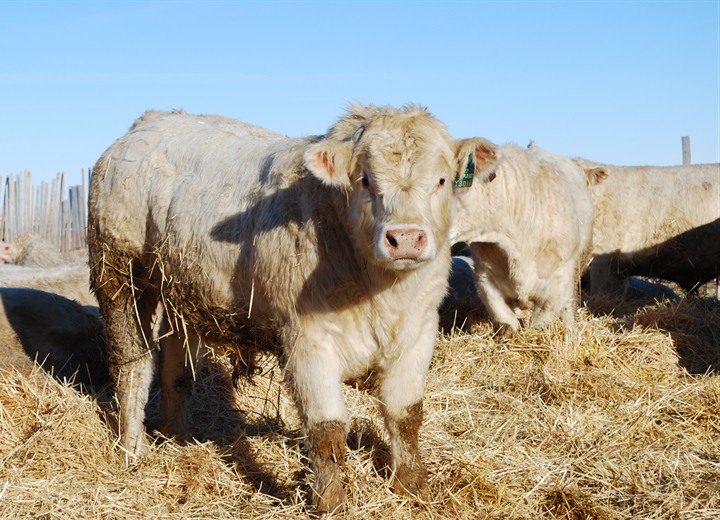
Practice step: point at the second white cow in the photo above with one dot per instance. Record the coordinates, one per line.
(528, 225)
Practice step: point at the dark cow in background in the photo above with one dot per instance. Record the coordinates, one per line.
(528, 224)
(654, 221)
(333, 250)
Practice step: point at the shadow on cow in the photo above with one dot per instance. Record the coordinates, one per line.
(690, 259)
(320, 290)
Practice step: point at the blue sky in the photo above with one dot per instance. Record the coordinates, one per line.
(613, 81)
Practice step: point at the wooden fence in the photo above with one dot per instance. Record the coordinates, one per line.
(49, 210)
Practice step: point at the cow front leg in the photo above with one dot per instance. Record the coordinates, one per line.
(567, 292)
(132, 388)
(492, 278)
(543, 313)
(326, 449)
(402, 384)
(314, 373)
(410, 475)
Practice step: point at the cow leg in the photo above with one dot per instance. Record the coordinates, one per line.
(571, 294)
(402, 385)
(560, 297)
(544, 312)
(492, 264)
(410, 475)
(179, 357)
(326, 448)
(504, 318)
(132, 363)
(314, 373)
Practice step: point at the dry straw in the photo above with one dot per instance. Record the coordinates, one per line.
(617, 417)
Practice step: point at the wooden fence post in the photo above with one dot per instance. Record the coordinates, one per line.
(686, 151)
(4, 217)
(44, 210)
(11, 208)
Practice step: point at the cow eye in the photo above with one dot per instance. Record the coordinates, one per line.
(366, 184)
(441, 182)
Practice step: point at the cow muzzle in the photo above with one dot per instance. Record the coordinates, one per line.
(405, 244)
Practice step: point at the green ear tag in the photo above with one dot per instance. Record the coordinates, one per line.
(466, 179)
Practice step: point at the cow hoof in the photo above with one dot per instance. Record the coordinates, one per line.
(135, 449)
(331, 499)
(411, 482)
(505, 330)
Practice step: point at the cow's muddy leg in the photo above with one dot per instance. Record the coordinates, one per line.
(326, 447)
(314, 373)
(410, 473)
(132, 363)
(402, 385)
(179, 357)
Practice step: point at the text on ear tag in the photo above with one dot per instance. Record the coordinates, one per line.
(466, 179)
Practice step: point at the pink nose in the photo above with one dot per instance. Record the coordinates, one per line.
(405, 244)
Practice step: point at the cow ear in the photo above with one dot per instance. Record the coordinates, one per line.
(329, 162)
(595, 176)
(474, 159)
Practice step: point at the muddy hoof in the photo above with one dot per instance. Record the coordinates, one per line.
(330, 499)
(411, 482)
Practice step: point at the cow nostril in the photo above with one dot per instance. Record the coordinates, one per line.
(408, 244)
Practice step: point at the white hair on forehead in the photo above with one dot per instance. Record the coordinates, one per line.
(359, 116)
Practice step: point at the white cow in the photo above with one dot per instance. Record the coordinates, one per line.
(528, 224)
(332, 250)
(658, 221)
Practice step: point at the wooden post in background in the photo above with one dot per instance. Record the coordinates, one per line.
(686, 151)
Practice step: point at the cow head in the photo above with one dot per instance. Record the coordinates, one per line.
(397, 167)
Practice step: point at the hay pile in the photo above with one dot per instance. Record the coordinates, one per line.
(616, 418)
(35, 251)
(37, 264)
